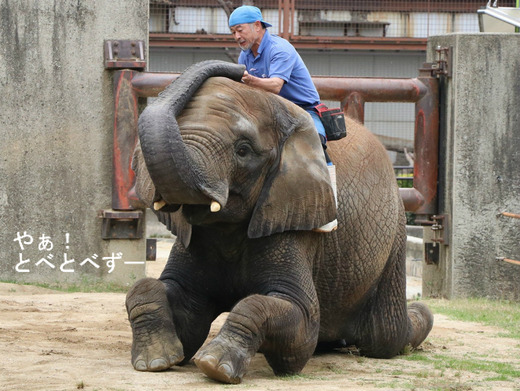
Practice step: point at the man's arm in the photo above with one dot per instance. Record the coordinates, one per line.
(271, 84)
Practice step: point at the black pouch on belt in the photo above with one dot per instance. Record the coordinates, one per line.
(333, 121)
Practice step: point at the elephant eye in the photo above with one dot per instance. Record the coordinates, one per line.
(243, 150)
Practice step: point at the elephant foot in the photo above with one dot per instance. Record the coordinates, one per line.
(155, 345)
(421, 319)
(222, 362)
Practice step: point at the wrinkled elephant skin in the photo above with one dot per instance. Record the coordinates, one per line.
(239, 176)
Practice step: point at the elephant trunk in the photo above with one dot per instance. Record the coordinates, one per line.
(176, 175)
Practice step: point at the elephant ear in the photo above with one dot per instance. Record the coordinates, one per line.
(297, 195)
(177, 225)
(145, 192)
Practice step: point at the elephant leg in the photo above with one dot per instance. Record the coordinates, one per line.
(287, 339)
(387, 324)
(155, 345)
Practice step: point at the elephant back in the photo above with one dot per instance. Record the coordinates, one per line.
(370, 210)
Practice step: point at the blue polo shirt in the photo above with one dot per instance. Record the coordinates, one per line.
(278, 58)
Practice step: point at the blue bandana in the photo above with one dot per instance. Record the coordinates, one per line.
(246, 14)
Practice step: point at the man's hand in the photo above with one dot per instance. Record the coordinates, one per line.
(247, 78)
(270, 84)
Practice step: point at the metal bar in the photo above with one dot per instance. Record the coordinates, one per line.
(412, 198)
(299, 42)
(513, 215)
(500, 15)
(371, 89)
(291, 19)
(355, 107)
(286, 19)
(150, 84)
(426, 146)
(512, 261)
(125, 137)
(361, 44)
(355, 5)
(280, 17)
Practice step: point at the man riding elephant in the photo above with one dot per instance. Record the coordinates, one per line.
(274, 65)
(238, 175)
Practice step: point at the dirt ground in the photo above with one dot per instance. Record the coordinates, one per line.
(67, 341)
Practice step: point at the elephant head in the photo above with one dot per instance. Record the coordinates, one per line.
(212, 150)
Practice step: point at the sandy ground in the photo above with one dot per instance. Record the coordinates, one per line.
(67, 341)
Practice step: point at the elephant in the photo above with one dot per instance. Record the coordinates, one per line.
(239, 176)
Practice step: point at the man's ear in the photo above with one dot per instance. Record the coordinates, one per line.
(298, 194)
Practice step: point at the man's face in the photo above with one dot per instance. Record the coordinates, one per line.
(246, 34)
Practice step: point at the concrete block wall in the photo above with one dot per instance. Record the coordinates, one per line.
(56, 152)
(479, 168)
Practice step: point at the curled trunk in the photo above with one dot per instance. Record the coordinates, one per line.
(177, 177)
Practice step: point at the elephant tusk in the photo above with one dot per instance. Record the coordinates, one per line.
(215, 206)
(158, 205)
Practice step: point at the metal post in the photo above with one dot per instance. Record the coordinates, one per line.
(426, 141)
(355, 107)
(125, 138)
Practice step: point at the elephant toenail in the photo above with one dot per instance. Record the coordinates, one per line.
(175, 359)
(208, 360)
(225, 369)
(158, 364)
(140, 365)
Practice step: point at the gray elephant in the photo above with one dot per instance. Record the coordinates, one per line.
(239, 176)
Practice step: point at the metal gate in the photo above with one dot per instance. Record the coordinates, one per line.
(132, 83)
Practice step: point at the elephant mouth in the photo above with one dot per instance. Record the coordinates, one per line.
(196, 214)
(161, 205)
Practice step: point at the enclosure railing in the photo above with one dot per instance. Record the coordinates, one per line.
(352, 93)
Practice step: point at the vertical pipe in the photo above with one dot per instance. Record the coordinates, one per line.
(291, 20)
(286, 16)
(280, 27)
(426, 146)
(355, 107)
(125, 138)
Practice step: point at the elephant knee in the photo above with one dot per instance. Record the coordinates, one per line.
(145, 291)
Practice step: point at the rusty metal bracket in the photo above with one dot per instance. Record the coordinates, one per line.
(121, 54)
(439, 225)
(440, 229)
(121, 224)
(442, 65)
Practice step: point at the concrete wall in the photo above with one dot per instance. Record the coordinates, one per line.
(480, 168)
(56, 152)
